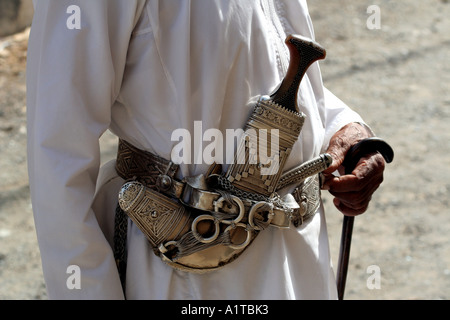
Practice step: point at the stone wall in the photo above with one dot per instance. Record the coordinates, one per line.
(15, 15)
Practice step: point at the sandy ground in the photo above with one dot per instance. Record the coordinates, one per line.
(397, 77)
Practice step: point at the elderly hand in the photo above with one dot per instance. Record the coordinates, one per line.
(352, 192)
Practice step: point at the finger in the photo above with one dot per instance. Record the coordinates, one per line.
(356, 198)
(370, 166)
(368, 171)
(355, 202)
(348, 211)
(346, 183)
(359, 204)
(338, 149)
(342, 141)
(326, 180)
(358, 195)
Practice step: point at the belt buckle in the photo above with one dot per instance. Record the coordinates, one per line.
(261, 207)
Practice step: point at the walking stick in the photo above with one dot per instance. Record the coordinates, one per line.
(364, 147)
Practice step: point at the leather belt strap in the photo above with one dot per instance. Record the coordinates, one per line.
(152, 170)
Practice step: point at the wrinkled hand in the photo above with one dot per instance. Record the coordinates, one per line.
(354, 191)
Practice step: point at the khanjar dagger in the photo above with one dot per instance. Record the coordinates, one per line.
(279, 111)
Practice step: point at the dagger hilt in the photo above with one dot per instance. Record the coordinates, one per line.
(303, 53)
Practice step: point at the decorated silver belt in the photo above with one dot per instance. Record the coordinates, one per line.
(196, 224)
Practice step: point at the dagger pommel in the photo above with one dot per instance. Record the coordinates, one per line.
(303, 53)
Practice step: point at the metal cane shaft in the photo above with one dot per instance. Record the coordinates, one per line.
(344, 254)
(364, 147)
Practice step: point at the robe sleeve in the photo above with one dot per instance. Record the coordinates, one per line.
(76, 59)
(337, 114)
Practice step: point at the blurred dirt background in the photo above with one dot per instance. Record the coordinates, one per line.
(397, 77)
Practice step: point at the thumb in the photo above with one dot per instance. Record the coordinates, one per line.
(342, 141)
(338, 148)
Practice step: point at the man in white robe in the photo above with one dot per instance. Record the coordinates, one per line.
(144, 68)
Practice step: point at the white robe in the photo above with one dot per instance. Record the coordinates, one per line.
(144, 69)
